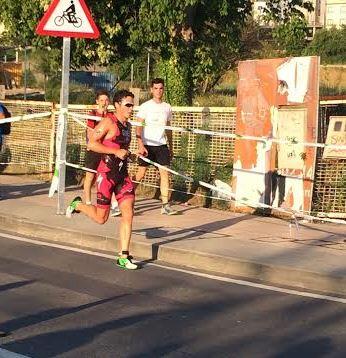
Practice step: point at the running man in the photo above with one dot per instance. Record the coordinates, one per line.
(153, 138)
(111, 138)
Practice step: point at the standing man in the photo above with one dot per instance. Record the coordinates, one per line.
(111, 138)
(153, 138)
(92, 159)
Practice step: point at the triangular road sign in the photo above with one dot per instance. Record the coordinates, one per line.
(68, 18)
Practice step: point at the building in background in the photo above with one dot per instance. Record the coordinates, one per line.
(326, 14)
(335, 14)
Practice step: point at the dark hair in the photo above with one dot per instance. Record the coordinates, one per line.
(101, 92)
(156, 81)
(119, 95)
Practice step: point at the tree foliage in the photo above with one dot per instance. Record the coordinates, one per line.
(290, 28)
(330, 44)
(282, 11)
(196, 40)
(291, 36)
(201, 36)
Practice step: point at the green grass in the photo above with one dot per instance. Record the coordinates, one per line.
(214, 100)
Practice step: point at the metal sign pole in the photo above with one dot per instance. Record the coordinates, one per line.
(62, 124)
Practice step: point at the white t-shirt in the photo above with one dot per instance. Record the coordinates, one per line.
(155, 115)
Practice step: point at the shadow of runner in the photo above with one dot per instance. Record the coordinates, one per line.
(17, 191)
(43, 316)
(12, 285)
(317, 348)
(53, 344)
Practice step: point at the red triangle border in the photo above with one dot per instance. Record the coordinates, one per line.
(40, 27)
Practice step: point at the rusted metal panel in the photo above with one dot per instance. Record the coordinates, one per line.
(276, 98)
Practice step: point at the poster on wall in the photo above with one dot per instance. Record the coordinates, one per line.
(276, 98)
(291, 128)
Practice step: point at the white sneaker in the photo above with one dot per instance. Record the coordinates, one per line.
(115, 211)
(167, 210)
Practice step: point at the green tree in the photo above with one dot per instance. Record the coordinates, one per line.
(330, 44)
(195, 40)
(290, 28)
(281, 11)
(291, 36)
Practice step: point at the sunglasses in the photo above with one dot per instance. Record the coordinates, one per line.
(128, 105)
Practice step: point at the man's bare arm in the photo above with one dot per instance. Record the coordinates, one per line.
(139, 135)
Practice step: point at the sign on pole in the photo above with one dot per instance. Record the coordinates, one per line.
(68, 18)
(65, 18)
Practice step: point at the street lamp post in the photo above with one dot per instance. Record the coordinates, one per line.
(25, 71)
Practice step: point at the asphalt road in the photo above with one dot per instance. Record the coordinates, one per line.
(60, 303)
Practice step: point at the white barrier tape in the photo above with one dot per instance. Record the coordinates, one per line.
(85, 116)
(25, 117)
(181, 191)
(95, 118)
(25, 163)
(80, 167)
(246, 201)
(224, 135)
(80, 122)
(232, 196)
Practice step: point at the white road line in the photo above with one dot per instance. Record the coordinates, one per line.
(7, 354)
(194, 273)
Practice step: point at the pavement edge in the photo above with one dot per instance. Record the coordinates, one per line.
(216, 264)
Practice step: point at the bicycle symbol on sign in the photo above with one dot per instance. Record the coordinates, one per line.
(70, 16)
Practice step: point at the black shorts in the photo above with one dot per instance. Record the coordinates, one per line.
(159, 154)
(92, 159)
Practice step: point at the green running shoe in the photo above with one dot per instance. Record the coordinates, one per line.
(126, 263)
(72, 207)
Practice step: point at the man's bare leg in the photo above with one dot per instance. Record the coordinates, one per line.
(125, 260)
(139, 175)
(164, 186)
(95, 213)
(88, 183)
(125, 230)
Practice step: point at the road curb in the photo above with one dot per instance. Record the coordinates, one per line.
(217, 264)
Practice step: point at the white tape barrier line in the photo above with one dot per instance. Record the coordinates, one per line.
(75, 117)
(232, 196)
(182, 192)
(225, 135)
(193, 273)
(149, 185)
(26, 117)
(294, 215)
(80, 167)
(245, 201)
(80, 122)
(25, 163)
